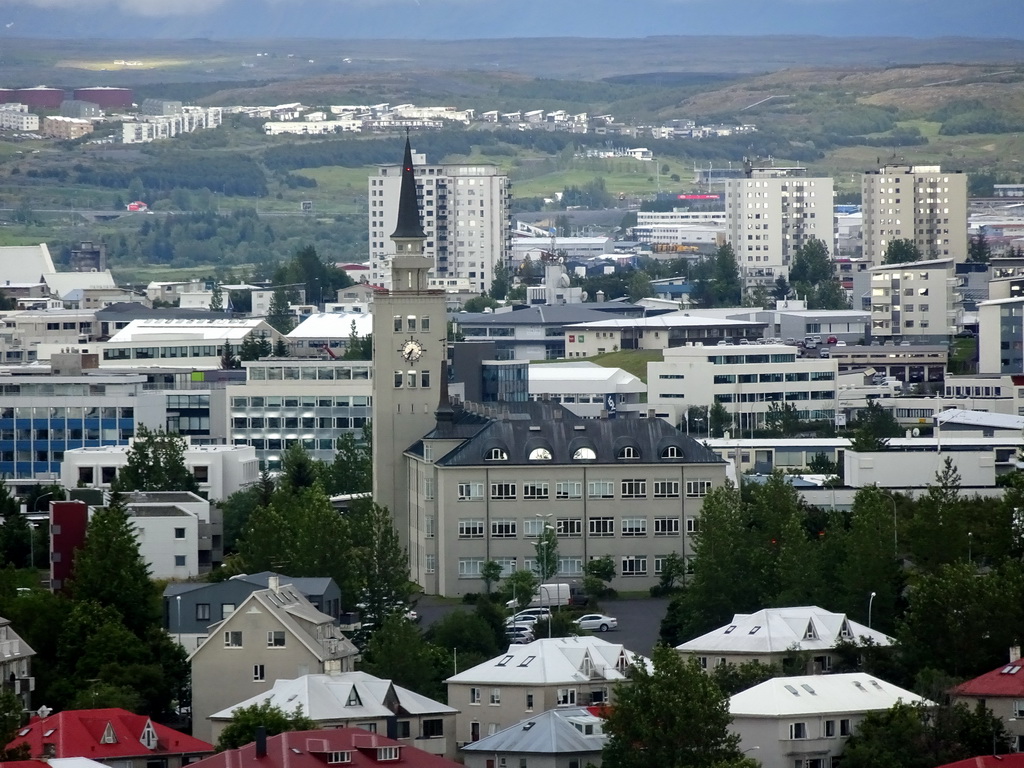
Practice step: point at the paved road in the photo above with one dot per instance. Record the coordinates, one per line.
(639, 619)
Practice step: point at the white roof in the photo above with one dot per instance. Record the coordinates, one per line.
(326, 697)
(912, 265)
(25, 263)
(333, 325)
(776, 630)
(62, 283)
(215, 329)
(669, 320)
(979, 419)
(582, 376)
(554, 660)
(820, 694)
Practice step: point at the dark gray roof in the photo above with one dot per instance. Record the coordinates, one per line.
(307, 585)
(127, 310)
(550, 732)
(517, 429)
(558, 314)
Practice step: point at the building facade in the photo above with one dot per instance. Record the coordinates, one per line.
(917, 301)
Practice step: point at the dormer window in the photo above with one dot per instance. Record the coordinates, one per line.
(629, 452)
(671, 452)
(334, 758)
(149, 739)
(496, 454)
(353, 699)
(540, 454)
(584, 454)
(108, 737)
(387, 753)
(809, 633)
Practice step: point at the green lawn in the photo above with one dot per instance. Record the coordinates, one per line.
(630, 360)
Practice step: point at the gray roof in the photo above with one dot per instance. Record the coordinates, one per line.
(524, 427)
(307, 585)
(558, 314)
(131, 310)
(551, 732)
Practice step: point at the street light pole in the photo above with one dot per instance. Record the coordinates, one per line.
(32, 544)
(871, 601)
(177, 599)
(895, 531)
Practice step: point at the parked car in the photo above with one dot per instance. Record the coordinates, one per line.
(824, 352)
(531, 615)
(831, 340)
(597, 621)
(519, 634)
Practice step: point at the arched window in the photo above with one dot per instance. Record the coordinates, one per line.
(496, 454)
(629, 452)
(540, 454)
(584, 454)
(671, 452)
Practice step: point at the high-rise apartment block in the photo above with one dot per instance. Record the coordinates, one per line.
(465, 214)
(921, 203)
(770, 213)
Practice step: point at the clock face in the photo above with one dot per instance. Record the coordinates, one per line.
(412, 350)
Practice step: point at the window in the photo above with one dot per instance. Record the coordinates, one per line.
(697, 488)
(333, 758)
(179, 533)
(471, 491)
(568, 489)
(798, 730)
(496, 454)
(584, 454)
(503, 529)
(634, 565)
(570, 566)
(428, 488)
(259, 674)
(387, 753)
(474, 695)
(602, 526)
(566, 697)
(431, 563)
(471, 528)
(202, 611)
(666, 526)
(232, 639)
(830, 729)
(844, 728)
(533, 528)
(275, 639)
(666, 489)
(179, 561)
(634, 489)
(495, 697)
(540, 454)
(226, 609)
(601, 489)
(503, 491)
(469, 567)
(568, 526)
(403, 731)
(692, 525)
(1018, 708)
(634, 526)
(529, 702)
(535, 491)
(629, 452)
(671, 452)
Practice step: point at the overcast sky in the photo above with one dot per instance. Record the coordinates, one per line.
(449, 19)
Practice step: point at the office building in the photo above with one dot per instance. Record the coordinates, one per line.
(917, 301)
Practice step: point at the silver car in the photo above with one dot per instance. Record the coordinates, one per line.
(597, 621)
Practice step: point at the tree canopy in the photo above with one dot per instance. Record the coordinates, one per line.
(156, 462)
(245, 720)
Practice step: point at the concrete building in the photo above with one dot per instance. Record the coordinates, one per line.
(747, 380)
(180, 534)
(17, 120)
(84, 110)
(921, 203)
(16, 664)
(274, 634)
(484, 485)
(359, 700)
(181, 343)
(537, 677)
(465, 216)
(670, 330)
(771, 213)
(329, 331)
(289, 400)
(917, 301)
(66, 128)
(805, 722)
(588, 389)
(911, 363)
(1001, 336)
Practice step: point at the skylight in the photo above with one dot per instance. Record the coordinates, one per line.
(808, 688)
(792, 690)
(504, 661)
(526, 662)
(754, 630)
(730, 629)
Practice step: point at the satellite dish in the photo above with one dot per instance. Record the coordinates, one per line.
(916, 432)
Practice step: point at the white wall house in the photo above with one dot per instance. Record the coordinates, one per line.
(915, 301)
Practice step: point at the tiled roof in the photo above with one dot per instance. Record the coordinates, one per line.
(104, 734)
(312, 749)
(1007, 680)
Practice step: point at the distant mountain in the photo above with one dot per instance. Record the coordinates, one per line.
(465, 19)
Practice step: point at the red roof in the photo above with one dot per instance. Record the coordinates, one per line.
(311, 749)
(104, 734)
(1007, 680)
(1014, 760)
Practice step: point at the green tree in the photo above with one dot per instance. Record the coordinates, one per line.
(245, 720)
(521, 586)
(217, 299)
(811, 264)
(490, 573)
(279, 315)
(733, 678)
(901, 251)
(237, 508)
(10, 722)
(299, 469)
(468, 633)
(500, 284)
(720, 419)
(639, 285)
(382, 566)
(782, 419)
(352, 468)
(479, 304)
(280, 347)
(250, 349)
(673, 716)
(757, 298)
(546, 553)
(598, 573)
(156, 462)
(400, 653)
(673, 574)
(978, 250)
(781, 290)
(227, 358)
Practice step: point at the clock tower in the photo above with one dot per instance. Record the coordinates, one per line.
(409, 334)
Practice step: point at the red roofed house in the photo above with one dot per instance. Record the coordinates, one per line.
(986, 761)
(1002, 691)
(349, 747)
(114, 737)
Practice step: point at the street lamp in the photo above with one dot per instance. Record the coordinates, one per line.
(177, 599)
(32, 544)
(541, 588)
(970, 541)
(871, 601)
(895, 532)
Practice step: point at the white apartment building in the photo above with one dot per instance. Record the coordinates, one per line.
(168, 538)
(770, 213)
(916, 300)
(464, 211)
(16, 117)
(922, 203)
(312, 402)
(679, 216)
(747, 380)
(167, 126)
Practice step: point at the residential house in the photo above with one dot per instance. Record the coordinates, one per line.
(774, 635)
(559, 738)
(1002, 692)
(190, 608)
(546, 674)
(274, 633)
(349, 747)
(114, 737)
(805, 721)
(16, 663)
(360, 700)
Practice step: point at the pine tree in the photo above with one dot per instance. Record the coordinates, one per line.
(156, 462)
(217, 300)
(279, 315)
(227, 360)
(280, 347)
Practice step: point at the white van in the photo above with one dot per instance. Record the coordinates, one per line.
(547, 596)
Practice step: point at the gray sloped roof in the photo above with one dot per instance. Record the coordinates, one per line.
(550, 732)
(555, 314)
(526, 426)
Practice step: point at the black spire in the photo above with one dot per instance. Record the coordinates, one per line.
(444, 412)
(408, 209)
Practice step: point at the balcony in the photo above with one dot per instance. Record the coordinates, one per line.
(806, 747)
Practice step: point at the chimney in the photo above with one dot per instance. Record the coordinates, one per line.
(261, 742)
(274, 583)
(1014, 654)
